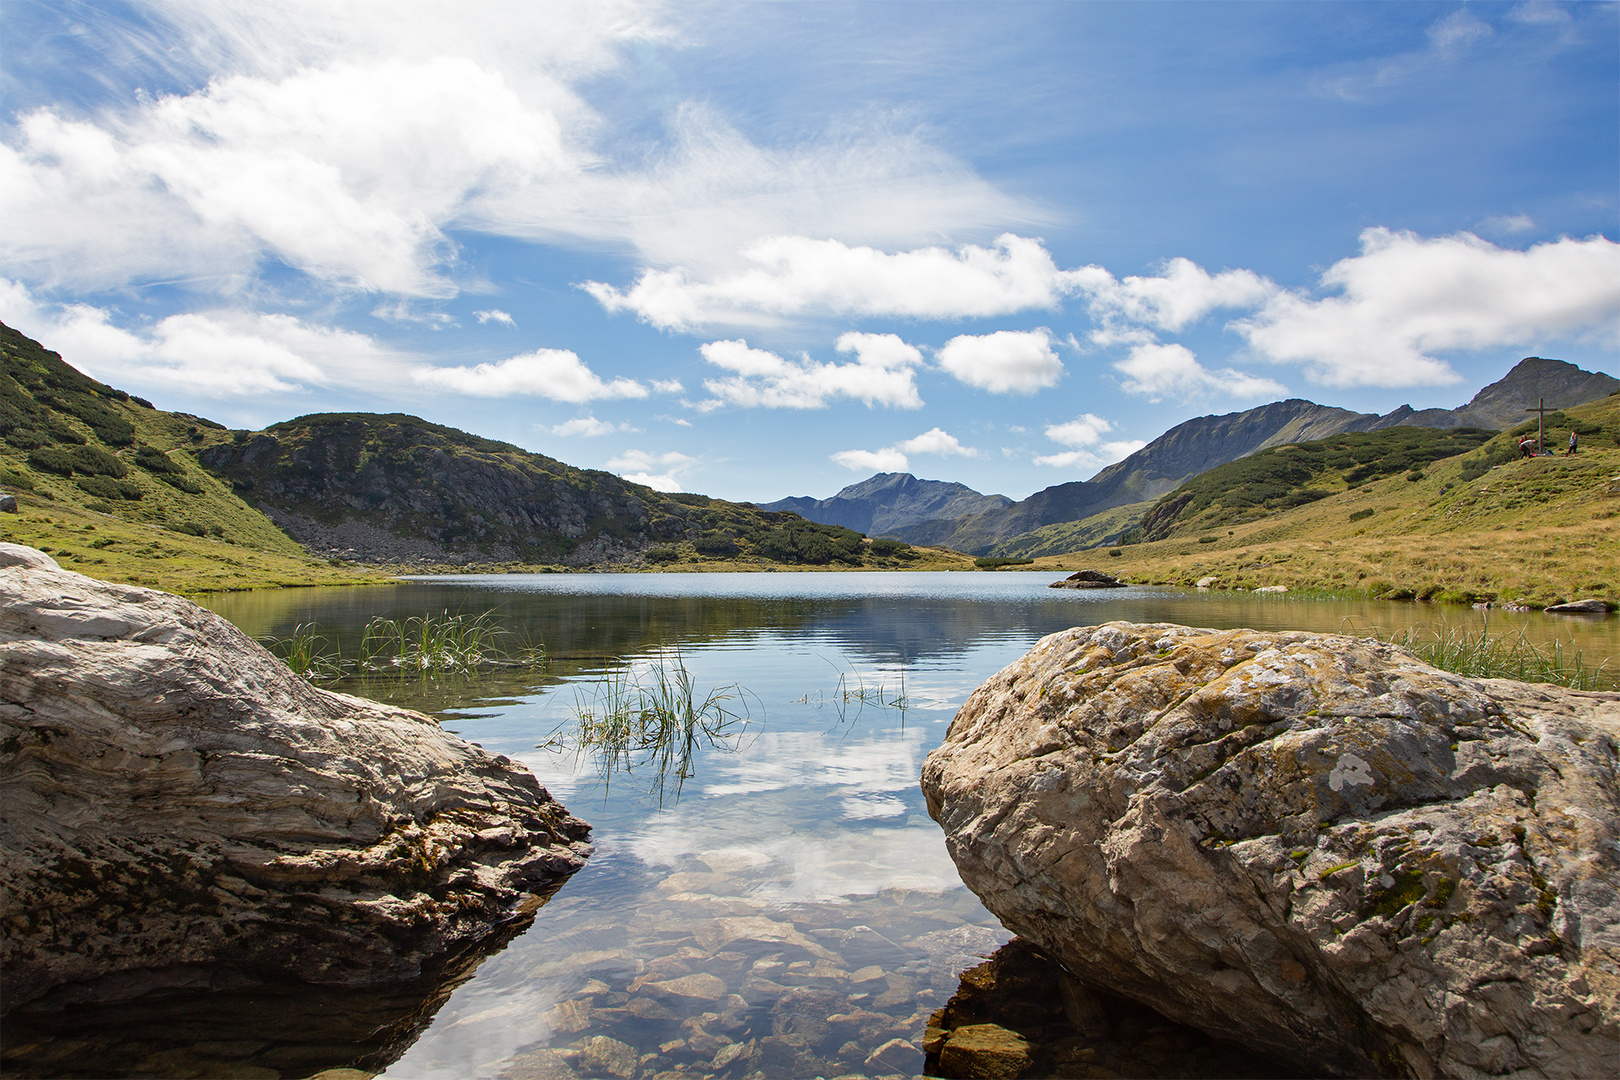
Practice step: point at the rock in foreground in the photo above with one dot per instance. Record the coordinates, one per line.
(1316, 846)
(180, 810)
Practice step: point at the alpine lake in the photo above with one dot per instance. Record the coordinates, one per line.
(769, 897)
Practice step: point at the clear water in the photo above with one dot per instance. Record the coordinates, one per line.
(797, 877)
(793, 911)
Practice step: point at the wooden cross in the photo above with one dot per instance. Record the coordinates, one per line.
(1541, 422)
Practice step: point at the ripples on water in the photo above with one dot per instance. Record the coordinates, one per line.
(794, 912)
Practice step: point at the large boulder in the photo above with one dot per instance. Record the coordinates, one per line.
(1315, 845)
(181, 810)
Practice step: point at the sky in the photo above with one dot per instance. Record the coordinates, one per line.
(769, 249)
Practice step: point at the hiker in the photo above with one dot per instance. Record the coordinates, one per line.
(1527, 447)
(1574, 438)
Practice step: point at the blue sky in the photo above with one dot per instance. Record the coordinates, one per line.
(759, 250)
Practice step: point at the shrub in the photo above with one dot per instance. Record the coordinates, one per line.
(1114, 553)
(154, 460)
(105, 487)
(885, 549)
(1208, 539)
(184, 483)
(662, 554)
(26, 438)
(189, 527)
(718, 544)
(1414, 476)
(11, 478)
(99, 507)
(94, 461)
(996, 564)
(1362, 515)
(50, 459)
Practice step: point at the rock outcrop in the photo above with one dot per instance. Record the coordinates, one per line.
(1317, 846)
(181, 810)
(1088, 579)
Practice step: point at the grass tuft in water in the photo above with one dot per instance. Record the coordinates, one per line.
(655, 723)
(425, 644)
(1481, 655)
(308, 652)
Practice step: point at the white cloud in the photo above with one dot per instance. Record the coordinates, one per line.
(347, 143)
(637, 467)
(1172, 371)
(895, 458)
(403, 313)
(1085, 435)
(1005, 362)
(794, 275)
(494, 315)
(1173, 300)
(1509, 224)
(1406, 297)
(882, 374)
(218, 354)
(587, 427)
(558, 374)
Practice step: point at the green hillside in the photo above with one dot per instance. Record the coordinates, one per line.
(1479, 525)
(1284, 477)
(111, 486)
(1098, 529)
(392, 488)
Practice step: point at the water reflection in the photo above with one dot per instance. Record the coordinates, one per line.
(794, 912)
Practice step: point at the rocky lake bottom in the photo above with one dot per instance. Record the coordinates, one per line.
(785, 909)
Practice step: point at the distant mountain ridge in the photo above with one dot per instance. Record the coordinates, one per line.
(895, 504)
(886, 504)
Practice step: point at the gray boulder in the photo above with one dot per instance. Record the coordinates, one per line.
(1581, 607)
(1315, 845)
(181, 810)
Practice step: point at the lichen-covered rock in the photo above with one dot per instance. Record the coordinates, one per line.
(178, 809)
(1317, 846)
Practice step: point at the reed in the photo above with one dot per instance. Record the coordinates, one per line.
(425, 644)
(655, 723)
(309, 653)
(1483, 655)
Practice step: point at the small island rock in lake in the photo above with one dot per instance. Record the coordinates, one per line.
(1316, 846)
(1088, 579)
(181, 810)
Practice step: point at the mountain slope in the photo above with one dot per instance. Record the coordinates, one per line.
(111, 486)
(889, 503)
(396, 488)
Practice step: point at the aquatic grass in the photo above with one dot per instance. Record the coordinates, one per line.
(424, 644)
(656, 723)
(308, 652)
(1482, 655)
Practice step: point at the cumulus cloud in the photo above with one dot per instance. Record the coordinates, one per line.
(882, 374)
(1088, 449)
(558, 374)
(896, 458)
(1005, 362)
(1407, 297)
(1172, 371)
(791, 275)
(494, 315)
(1183, 294)
(637, 467)
(219, 354)
(587, 427)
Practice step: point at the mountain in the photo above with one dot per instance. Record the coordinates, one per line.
(889, 503)
(1043, 523)
(117, 488)
(396, 488)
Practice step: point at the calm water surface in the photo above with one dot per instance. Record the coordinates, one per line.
(794, 910)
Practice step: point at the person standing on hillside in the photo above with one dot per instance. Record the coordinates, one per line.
(1574, 438)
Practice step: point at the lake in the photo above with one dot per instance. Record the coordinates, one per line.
(788, 907)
